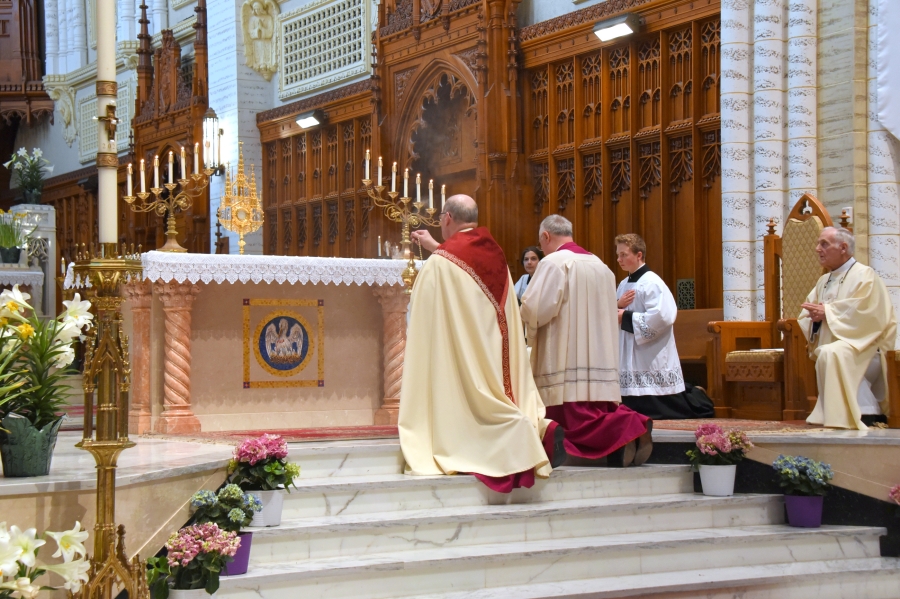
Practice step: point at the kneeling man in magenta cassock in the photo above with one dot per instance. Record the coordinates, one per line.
(572, 325)
(850, 323)
(468, 402)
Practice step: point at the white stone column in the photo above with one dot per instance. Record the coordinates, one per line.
(769, 87)
(51, 31)
(127, 21)
(883, 181)
(737, 230)
(160, 18)
(78, 35)
(802, 108)
(63, 47)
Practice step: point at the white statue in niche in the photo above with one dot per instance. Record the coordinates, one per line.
(258, 19)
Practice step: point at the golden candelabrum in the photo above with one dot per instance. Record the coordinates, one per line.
(100, 273)
(170, 196)
(404, 211)
(240, 210)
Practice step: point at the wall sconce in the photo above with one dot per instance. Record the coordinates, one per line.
(212, 143)
(617, 27)
(311, 118)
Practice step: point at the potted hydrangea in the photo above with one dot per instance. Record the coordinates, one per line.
(195, 557)
(40, 353)
(716, 455)
(28, 172)
(230, 509)
(20, 568)
(805, 484)
(260, 465)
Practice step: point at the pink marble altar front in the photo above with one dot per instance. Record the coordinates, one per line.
(190, 334)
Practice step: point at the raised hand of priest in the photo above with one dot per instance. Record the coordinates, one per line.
(424, 238)
(625, 301)
(816, 311)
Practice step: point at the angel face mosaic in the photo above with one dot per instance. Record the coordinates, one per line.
(286, 338)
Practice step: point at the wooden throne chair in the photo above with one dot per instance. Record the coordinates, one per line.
(762, 370)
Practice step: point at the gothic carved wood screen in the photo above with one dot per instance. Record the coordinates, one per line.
(312, 179)
(625, 138)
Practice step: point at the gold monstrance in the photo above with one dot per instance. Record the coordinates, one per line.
(404, 211)
(240, 211)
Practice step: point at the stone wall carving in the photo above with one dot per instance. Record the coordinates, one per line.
(63, 97)
(259, 25)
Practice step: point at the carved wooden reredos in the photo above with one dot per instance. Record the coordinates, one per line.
(618, 137)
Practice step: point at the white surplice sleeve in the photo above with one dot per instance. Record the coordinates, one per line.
(543, 296)
(659, 312)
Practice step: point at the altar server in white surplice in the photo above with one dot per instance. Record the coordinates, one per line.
(650, 375)
(850, 323)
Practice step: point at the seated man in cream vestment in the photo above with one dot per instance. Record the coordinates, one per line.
(468, 402)
(850, 324)
(571, 321)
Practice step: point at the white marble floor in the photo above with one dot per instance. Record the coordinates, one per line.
(872, 436)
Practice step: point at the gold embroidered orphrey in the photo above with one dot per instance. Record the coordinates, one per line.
(315, 339)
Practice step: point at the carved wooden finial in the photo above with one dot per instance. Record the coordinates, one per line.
(771, 225)
(845, 218)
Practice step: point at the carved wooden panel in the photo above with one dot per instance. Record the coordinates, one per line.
(540, 120)
(565, 104)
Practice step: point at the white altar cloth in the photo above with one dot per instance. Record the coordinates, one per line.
(219, 268)
(25, 276)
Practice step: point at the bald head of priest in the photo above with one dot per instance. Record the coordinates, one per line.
(850, 324)
(468, 402)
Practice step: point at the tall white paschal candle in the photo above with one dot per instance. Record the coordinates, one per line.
(107, 151)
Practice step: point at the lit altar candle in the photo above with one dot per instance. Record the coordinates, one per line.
(368, 160)
(130, 189)
(196, 158)
(443, 195)
(431, 194)
(171, 166)
(406, 183)
(184, 172)
(143, 179)
(380, 165)
(394, 179)
(156, 172)
(379, 242)
(419, 187)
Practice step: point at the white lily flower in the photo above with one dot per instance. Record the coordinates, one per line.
(37, 152)
(4, 534)
(75, 573)
(7, 163)
(64, 358)
(49, 169)
(27, 542)
(70, 542)
(24, 586)
(9, 559)
(22, 152)
(78, 311)
(14, 300)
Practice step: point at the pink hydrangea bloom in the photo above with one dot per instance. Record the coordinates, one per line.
(276, 446)
(706, 429)
(895, 493)
(190, 541)
(267, 447)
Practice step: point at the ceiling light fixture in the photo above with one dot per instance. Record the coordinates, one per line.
(617, 27)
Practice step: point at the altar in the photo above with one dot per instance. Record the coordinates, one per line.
(227, 342)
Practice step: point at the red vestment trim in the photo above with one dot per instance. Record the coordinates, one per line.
(594, 429)
(574, 248)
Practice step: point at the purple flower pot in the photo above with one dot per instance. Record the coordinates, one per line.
(804, 511)
(242, 558)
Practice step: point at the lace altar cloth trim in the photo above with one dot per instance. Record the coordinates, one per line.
(13, 276)
(218, 268)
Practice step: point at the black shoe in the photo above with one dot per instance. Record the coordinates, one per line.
(871, 419)
(623, 456)
(559, 448)
(644, 446)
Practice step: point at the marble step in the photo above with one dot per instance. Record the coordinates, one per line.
(363, 534)
(872, 578)
(351, 495)
(472, 568)
(347, 458)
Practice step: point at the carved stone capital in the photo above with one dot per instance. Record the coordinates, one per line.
(139, 294)
(176, 296)
(63, 96)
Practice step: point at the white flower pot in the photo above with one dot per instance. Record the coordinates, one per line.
(718, 481)
(189, 594)
(273, 503)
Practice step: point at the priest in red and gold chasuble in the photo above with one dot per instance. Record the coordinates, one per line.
(468, 402)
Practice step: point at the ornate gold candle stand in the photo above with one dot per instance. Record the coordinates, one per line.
(101, 272)
(166, 200)
(240, 211)
(408, 214)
